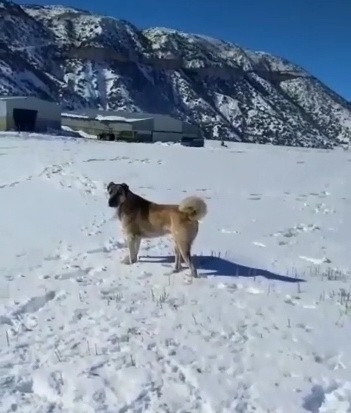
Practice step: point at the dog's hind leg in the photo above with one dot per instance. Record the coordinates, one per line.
(178, 260)
(185, 251)
(133, 244)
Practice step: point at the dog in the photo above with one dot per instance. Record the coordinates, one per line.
(141, 218)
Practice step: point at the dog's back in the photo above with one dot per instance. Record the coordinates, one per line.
(149, 219)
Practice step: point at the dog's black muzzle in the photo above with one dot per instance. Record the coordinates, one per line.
(113, 201)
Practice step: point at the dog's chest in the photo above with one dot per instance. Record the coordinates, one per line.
(120, 213)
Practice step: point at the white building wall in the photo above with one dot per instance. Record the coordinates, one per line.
(3, 107)
(3, 115)
(49, 113)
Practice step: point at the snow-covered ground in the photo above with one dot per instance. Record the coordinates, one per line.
(266, 328)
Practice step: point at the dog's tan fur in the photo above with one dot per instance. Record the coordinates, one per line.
(141, 218)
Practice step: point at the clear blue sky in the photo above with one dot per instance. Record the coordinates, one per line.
(316, 34)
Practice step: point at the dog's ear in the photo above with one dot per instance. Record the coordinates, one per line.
(110, 186)
(125, 187)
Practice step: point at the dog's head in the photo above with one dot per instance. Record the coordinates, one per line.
(117, 194)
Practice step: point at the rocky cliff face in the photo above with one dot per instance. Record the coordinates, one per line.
(84, 60)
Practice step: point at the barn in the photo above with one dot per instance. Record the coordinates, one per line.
(30, 114)
(132, 126)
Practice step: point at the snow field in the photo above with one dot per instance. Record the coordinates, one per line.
(264, 329)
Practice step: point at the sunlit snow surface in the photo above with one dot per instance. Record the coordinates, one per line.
(266, 327)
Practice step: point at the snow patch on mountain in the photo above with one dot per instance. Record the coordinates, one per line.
(88, 61)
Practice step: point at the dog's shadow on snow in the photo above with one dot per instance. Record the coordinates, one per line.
(210, 266)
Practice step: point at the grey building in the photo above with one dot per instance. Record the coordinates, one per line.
(131, 126)
(27, 113)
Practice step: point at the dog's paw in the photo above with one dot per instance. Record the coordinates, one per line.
(126, 260)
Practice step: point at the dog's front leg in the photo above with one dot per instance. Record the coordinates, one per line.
(133, 244)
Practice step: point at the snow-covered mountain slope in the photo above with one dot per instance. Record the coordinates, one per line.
(85, 60)
(266, 327)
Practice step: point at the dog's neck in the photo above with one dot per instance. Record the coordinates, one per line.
(129, 198)
(133, 202)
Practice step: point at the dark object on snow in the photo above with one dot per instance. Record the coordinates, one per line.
(194, 142)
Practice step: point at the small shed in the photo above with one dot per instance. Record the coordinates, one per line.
(28, 113)
(131, 126)
(109, 126)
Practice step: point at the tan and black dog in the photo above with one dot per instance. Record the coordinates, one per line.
(141, 218)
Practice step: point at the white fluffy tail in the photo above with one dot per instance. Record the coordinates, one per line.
(194, 207)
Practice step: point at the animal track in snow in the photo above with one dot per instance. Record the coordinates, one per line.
(125, 159)
(33, 305)
(182, 374)
(295, 231)
(8, 147)
(322, 208)
(255, 197)
(313, 195)
(95, 227)
(109, 246)
(51, 170)
(12, 184)
(68, 178)
(15, 183)
(331, 361)
(77, 274)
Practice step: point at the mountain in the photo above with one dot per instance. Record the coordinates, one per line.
(85, 60)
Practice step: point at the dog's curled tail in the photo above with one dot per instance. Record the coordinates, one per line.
(194, 207)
